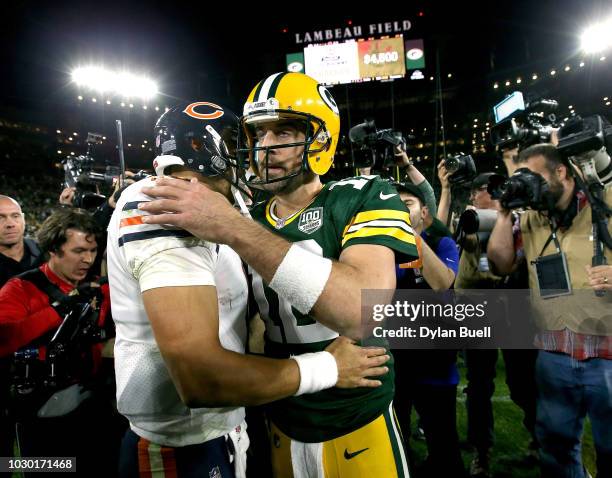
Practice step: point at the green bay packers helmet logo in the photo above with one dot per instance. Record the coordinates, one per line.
(206, 110)
(328, 99)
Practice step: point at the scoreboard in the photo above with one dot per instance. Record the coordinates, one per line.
(381, 59)
(354, 61)
(332, 63)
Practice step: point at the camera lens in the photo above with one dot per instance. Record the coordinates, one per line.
(452, 165)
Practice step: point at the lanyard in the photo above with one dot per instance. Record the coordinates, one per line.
(552, 237)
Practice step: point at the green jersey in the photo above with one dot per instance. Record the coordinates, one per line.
(360, 210)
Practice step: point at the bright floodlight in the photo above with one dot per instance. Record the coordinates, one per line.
(121, 83)
(597, 37)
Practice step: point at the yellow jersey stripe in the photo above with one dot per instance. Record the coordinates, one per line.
(381, 214)
(394, 232)
(288, 220)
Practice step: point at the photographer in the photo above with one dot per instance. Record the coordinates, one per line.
(575, 358)
(474, 273)
(455, 174)
(102, 213)
(416, 177)
(51, 403)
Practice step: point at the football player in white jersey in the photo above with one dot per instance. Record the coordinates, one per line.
(180, 308)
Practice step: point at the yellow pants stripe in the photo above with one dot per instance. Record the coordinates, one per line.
(374, 450)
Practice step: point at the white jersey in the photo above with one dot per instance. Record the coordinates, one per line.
(142, 257)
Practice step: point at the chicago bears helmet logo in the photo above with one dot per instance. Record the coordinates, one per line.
(214, 111)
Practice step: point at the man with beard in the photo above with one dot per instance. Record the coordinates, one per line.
(574, 364)
(474, 273)
(180, 307)
(313, 248)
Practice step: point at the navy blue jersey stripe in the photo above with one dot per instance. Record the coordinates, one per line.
(138, 236)
(128, 206)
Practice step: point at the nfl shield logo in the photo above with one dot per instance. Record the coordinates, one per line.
(311, 220)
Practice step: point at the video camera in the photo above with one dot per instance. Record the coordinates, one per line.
(587, 142)
(461, 168)
(79, 172)
(521, 124)
(67, 359)
(373, 143)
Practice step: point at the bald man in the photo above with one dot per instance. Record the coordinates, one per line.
(17, 254)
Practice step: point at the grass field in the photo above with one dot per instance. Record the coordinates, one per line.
(511, 437)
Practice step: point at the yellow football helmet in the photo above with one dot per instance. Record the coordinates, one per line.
(291, 97)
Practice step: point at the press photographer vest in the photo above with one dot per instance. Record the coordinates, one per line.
(471, 275)
(582, 311)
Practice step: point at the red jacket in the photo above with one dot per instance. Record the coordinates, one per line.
(25, 312)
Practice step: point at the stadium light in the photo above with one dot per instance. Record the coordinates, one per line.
(598, 37)
(121, 83)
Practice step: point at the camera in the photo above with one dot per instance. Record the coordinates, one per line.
(587, 143)
(34, 379)
(476, 221)
(373, 143)
(461, 168)
(520, 123)
(79, 172)
(524, 189)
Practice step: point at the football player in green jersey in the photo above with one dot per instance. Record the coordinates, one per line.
(312, 248)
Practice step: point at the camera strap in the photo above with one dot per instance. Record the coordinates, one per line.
(42, 283)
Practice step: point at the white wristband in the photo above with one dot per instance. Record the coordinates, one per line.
(301, 278)
(318, 371)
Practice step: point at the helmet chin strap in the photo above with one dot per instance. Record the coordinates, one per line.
(238, 195)
(240, 201)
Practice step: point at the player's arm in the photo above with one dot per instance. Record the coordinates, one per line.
(329, 290)
(337, 304)
(186, 327)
